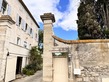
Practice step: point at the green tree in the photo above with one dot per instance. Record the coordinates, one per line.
(40, 44)
(35, 62)
(35, 56)
(102, 10)
(88, 27)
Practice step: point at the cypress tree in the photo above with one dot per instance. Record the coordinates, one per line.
(88, 27)
(102, 10)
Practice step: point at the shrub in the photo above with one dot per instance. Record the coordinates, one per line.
(28, 71)
(24, 70)
(35, 62)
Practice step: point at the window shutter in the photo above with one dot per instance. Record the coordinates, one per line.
(22, 24)
(28, 30)
(9, 10)
(32, 34)
(17, 20)
(36, 37)
(1, 1)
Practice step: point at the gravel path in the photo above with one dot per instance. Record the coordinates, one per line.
(37, 77)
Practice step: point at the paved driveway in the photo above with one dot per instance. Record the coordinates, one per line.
(37, 77)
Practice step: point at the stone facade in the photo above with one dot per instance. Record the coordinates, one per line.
(18, 33)
(91, 57)
(93, 61)
(88, 60)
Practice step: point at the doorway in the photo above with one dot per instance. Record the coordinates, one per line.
(60, 69)
(19, 65)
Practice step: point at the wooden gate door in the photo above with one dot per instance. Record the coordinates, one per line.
(60, 65)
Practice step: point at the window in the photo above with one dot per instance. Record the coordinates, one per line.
(25, 44)
(30, 30)
(18, 41)
(4, 6)
(26, 26)
(18, 20)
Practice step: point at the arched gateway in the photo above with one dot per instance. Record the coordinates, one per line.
(73, 61)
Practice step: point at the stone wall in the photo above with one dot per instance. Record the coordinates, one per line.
(93, 61)
(91, 57)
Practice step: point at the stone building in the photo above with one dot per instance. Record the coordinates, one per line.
(73, 60)
(18, 33)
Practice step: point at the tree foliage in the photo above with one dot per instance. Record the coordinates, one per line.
(35, 62)
(93, 20)
(40, 44)
(102, 10)
(35, 56)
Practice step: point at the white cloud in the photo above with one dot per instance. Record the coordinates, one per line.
(68, 18)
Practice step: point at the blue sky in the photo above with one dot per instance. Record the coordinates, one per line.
(65, 12)
(62, 6)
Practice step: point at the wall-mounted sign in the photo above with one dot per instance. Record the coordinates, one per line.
(60, 54)
(77, 71)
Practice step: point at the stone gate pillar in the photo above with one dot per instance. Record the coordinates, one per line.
(48, 20)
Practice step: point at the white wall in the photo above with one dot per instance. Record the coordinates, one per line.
(11, 68)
